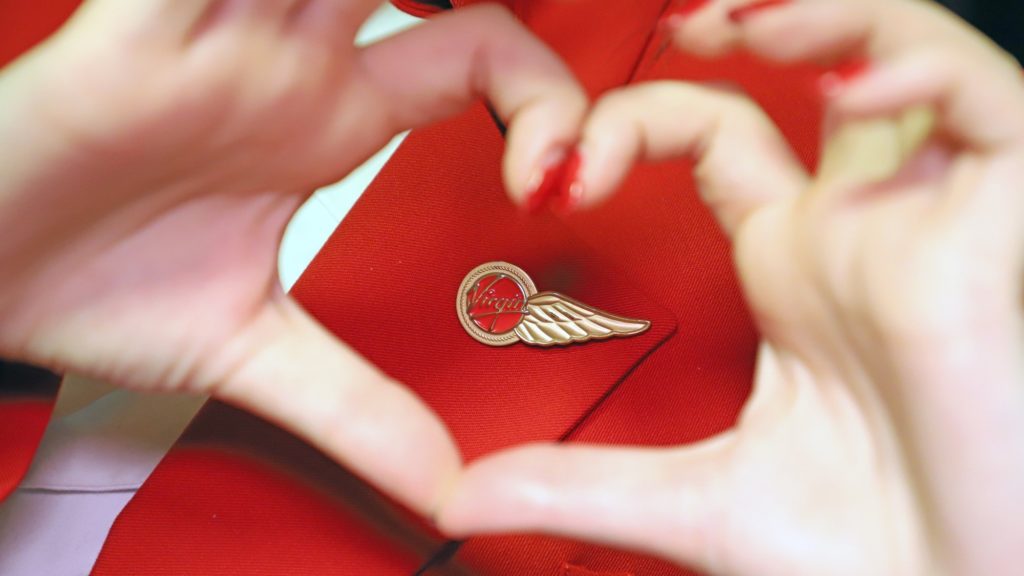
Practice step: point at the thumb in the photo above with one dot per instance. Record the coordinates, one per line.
(661, 501)
(295, 374)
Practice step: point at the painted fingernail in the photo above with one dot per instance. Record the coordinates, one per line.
(680, 11)
(742, 13)
(547, 184)
(571, 192)
(831, 83)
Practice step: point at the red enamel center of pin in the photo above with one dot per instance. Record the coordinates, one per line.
(496, 303)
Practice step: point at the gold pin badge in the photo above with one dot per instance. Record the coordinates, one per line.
(498, 304)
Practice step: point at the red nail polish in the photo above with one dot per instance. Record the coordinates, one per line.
(742, 13)
(571, 191)
(681, 11)
(547, 189)
(832, 82)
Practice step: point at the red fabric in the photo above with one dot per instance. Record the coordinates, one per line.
(386, 282)
(26, 395)
(445, 216)
(661, 236)
(402, 289)
(236, 496)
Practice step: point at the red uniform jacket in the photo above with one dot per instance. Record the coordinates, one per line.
(236, 496)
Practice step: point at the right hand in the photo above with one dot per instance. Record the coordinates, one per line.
(885, 433)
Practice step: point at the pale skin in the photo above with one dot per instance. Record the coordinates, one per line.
(885, 433)
(168, 142)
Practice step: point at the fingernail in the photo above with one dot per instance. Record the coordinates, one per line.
(571, 191)
(743, 13)
(546, 185)
(831, 83)
(680, 11)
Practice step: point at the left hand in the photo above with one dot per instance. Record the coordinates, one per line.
(153, 152)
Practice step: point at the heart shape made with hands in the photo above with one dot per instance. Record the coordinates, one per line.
(208, 316)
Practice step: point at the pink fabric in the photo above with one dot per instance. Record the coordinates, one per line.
(89, 464)
(55, 533)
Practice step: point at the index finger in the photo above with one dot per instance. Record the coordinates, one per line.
(481, 52)
(893, 55)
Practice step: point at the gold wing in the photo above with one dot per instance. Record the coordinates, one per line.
(554, 319)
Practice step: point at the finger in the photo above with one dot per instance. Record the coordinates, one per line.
(977, 106)
(663, 120)
(919, 54)
(480, 52)
(665, 502)
(782, 31)
(295, 374)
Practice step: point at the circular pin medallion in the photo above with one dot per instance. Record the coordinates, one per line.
(492, 302)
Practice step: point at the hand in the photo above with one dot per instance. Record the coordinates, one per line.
(154, 152)
(885, 433)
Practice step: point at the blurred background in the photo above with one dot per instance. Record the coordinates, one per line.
(1003, 20)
